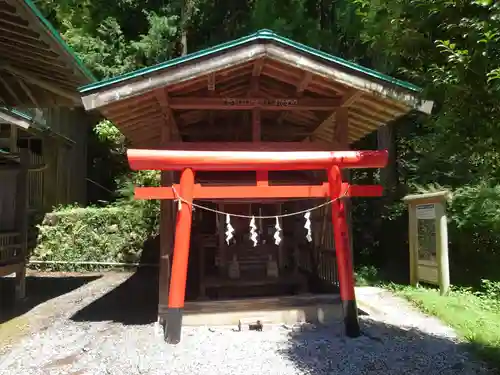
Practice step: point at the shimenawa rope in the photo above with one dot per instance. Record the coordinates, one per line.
(179, 199)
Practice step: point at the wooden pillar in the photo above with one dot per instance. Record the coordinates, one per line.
(166, 229)
(281, 255)
(343, 253)
(50, 180)
(412, 239)
(181, 257)
(256, 125)
(22, 221)
(442, 248)
(166, 237)
(13, 138)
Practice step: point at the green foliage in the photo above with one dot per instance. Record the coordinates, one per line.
(109, 133)
(367, 276)
(109, 234)
(141, 178)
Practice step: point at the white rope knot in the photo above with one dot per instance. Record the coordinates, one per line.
(177, 199)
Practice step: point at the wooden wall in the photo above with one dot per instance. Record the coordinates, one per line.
(8, 185)
(65, 178)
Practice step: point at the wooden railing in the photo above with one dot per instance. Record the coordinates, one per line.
(10, 248)
(321, 264)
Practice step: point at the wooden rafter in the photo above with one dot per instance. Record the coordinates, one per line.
(10, 90)
(347, 100)
(211, 82)
(301, 87)
(256, 71)
(211, 93)
(46, 85)
(29, 94)
(36, 29)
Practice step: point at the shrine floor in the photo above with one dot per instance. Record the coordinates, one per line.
(311, 308)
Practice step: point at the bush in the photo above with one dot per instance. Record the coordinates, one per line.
(114, 233)
(474, 223)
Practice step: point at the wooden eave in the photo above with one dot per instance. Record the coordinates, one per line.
(187, 94)
(37, 68)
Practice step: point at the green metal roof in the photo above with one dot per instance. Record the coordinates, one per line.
(55, 34)
(265, 35)
(36, 123)
(27, 116)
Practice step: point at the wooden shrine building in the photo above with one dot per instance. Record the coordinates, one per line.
(43, 129)
(253, 130)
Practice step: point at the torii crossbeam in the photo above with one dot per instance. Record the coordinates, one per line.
(190, 161)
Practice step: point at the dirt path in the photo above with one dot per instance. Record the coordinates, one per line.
(98, 329)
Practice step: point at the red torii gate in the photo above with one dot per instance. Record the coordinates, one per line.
(262, 162)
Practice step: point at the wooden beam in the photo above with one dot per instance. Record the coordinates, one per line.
(11, 268)
(341, 131)
(43, 84)
(283, 132)
(163, 101)
(275, 104)
(259, 191)
(249, 146)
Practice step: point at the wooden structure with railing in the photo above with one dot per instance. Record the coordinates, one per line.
(233, 128)
(43, 129)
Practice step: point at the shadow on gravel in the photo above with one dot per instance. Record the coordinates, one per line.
(135, 301)
(39, 289)
(382, 349)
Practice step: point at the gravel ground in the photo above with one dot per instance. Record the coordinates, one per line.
(409, 344)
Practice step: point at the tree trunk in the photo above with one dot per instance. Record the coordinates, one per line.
(386, 140)
(186, 13)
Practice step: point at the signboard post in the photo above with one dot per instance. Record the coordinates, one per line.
(428, 239)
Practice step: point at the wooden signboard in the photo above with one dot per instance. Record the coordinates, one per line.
(428, 239)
